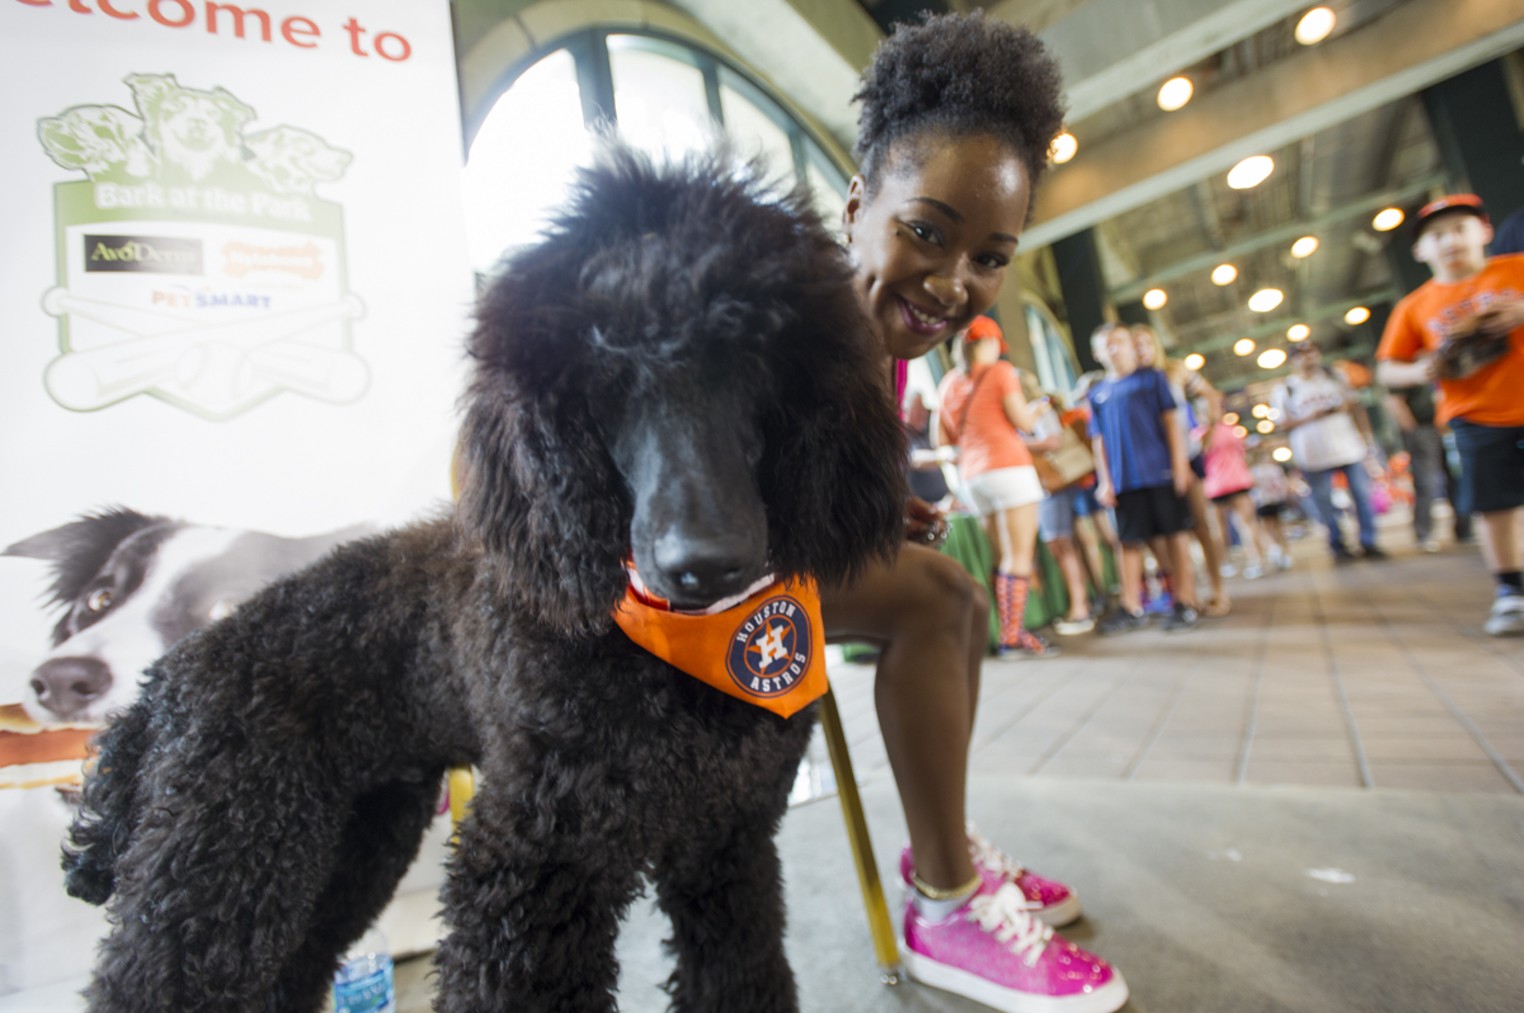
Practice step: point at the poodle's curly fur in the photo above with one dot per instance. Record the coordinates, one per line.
(678, 373)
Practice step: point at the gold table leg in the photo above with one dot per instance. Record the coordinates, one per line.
(885, 945)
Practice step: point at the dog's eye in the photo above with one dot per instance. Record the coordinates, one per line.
(99, 600)
(221, 610)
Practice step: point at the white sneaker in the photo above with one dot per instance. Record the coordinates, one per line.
(1507, 616)
(1253, 571)
(1430, 545)
(1073, 627)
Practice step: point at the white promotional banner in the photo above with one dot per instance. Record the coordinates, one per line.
(235, 292)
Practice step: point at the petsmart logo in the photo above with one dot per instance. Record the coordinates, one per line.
(185, 187)
(770, 649)
(150, 254)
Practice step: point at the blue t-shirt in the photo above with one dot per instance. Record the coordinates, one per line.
(1125, 414)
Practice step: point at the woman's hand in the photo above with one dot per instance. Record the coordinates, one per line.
(1105, 495)
(924, 523)
(1045, 445)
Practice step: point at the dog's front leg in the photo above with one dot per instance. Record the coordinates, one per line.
(725, 899)
(533, 904)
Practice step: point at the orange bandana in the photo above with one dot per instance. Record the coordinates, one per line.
(767, 648)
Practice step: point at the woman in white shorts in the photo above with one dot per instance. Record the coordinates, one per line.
(982, 409)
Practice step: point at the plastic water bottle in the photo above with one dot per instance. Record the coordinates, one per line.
(363, 983)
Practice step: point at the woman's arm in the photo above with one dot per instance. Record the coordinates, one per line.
(1047, 421)
(1019, 411)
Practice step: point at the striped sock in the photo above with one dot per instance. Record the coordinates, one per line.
(1011, 601)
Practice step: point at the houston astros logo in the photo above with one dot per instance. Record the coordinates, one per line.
(770, 649)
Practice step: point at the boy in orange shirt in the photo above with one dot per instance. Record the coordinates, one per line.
(1465, 329)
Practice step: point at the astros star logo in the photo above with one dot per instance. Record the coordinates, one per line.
(770, 649)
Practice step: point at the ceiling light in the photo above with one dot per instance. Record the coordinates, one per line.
(1155, 298)
(1281, 454)
(1315, 26)
(1175, 93)
(1298, 332)
(1240, 432)
(1063, 148)
(1251, 172)
(1356, 315)
(1387, 219)
(1266, 299)
(1224, 274)
(1271, 358)
(1231, 418)
(1265, 426)
(1195, 360)
(1304, 247)
(1243, 346)
(1259, 411)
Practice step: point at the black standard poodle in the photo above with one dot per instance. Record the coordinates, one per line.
(678, 376)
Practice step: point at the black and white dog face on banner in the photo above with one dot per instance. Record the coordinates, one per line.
(131, 585)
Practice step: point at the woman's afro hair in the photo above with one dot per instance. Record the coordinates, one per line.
(959, 75)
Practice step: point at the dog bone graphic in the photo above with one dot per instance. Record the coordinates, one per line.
(224, 361)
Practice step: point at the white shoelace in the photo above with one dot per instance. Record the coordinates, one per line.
(1004, 915)
(987, 856)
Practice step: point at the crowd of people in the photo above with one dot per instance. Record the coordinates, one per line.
(1169, 485)
(1175, 485)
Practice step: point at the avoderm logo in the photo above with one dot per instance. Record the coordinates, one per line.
(148, 254)
(189, 185)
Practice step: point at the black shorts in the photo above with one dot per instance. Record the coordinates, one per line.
(1229, 497)
(1145, 513)
(1270, 510)
(1492, 465)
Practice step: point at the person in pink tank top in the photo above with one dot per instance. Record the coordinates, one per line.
(1228, 484)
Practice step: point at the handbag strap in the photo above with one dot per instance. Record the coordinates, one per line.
(969, 404)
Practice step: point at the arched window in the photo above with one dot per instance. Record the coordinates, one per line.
(1056, 369)
(662, 94)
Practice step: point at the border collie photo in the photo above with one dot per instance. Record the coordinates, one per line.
(129, 586)
(121, 587)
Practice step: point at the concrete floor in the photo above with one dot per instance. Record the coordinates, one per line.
(1311, 805)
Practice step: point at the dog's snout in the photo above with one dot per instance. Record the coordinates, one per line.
(67, 686)
(706, 570)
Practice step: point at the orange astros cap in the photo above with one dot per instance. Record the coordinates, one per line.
(982, 328)
(1469, 203)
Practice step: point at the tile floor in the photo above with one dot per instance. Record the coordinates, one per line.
(1361, 676)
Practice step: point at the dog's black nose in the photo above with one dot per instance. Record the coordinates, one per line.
(704, 571)
(66, 686)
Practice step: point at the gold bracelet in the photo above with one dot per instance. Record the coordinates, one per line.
(930, 892)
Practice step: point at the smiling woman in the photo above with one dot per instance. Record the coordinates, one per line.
(933, 243)
(957, 116)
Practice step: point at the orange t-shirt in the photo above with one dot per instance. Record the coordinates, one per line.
(1494, 394)
(981, 429)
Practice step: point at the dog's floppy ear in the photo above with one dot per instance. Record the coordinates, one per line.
(538, 489)
(79, 549)
(842, 461)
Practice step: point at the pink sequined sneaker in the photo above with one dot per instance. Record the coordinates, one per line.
(1048, 899)
(993, 951)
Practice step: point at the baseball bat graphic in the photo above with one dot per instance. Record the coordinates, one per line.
(324, 373)
(208, 358)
